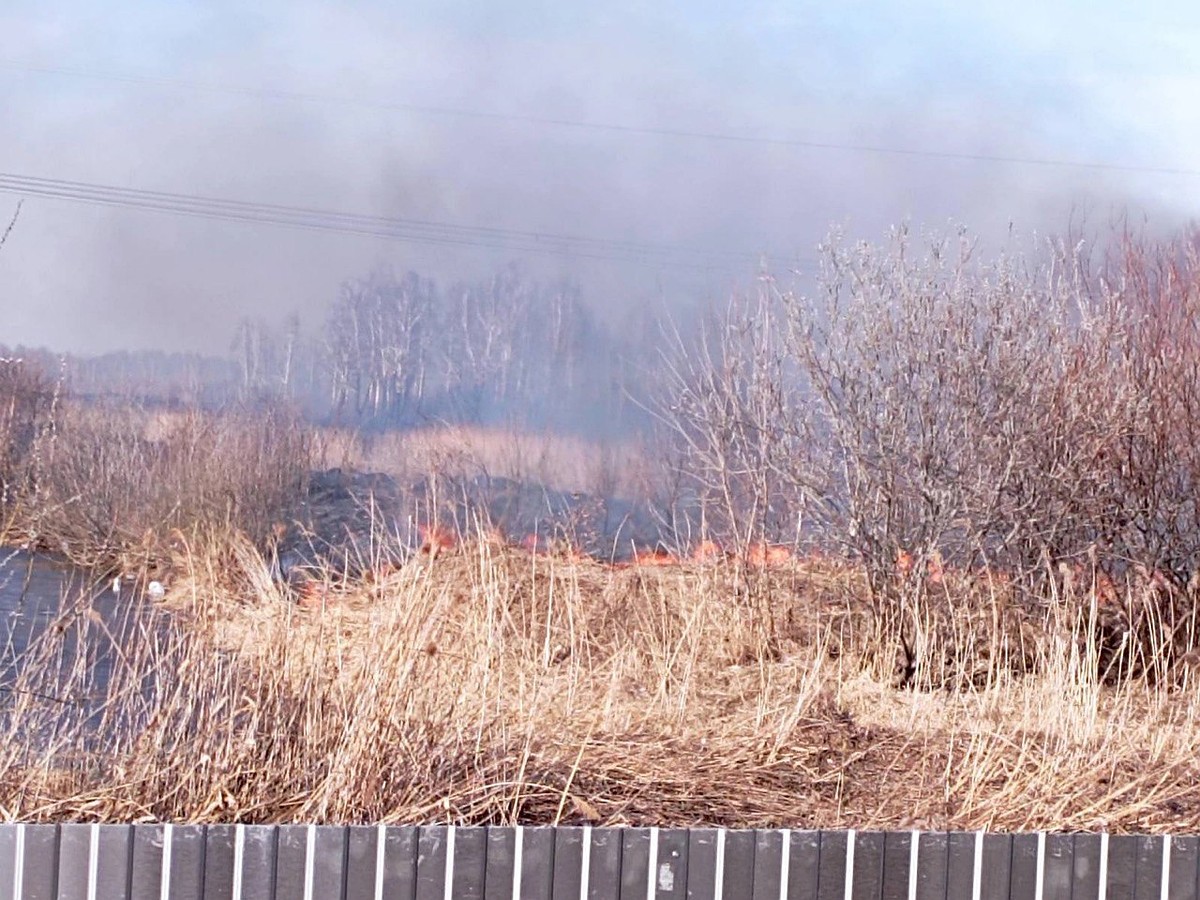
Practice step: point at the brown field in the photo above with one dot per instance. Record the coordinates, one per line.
(489, 685)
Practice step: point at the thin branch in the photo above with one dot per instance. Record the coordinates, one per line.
(11, 223)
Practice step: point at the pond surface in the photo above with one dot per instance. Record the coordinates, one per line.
(60, 634)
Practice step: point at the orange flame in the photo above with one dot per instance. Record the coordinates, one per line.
(435, 539)
(311, 592)
(656, 557)
(707, 552)
(935, 569)
(764, 554)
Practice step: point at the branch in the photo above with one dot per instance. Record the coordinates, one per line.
(11, 223)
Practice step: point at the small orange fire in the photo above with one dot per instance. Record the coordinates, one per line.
(935, 569)
(707, 552)
(436, 539)
(656, 557)
(311, 592)
(764, 554)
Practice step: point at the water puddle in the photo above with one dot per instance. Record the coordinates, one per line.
(62, 635)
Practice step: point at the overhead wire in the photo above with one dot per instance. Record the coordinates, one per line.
(728, 137)
(401, 229)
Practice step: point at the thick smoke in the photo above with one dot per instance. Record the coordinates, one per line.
(88, 279)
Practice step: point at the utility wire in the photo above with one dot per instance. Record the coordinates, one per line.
(405, 230)
(612, 127)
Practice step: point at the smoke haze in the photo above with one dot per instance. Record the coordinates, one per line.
(202, 115)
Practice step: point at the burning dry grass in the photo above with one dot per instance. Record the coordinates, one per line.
(493, 685)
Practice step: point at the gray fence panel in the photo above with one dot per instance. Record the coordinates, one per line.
(1058, 867)
(291, 862)
(1122, 867)
(186, 875)
(804, 852)
(218, 862)
(537, 863)
(227, 862)
(501, 861)
(670, 875)
(960, 864)
(362, 861)
(8, 858)
(868, 865)
(114, 850)
(40, 865)
(702, 864)
(635, 863)
(470, 863)
(897, 847)
(1022, 883)
(432, 858)
(604, 865)
(400, 863)
(74, 849)
(831, 865)
(995, 867)
(738, 883)
(768, 864)
(1086, 856)
(329, 863)
(145, 882)
(568, 862)
(1148, 872)
(1185, 863)
(258, 861)
(932, 848)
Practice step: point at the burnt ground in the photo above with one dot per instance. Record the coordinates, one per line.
(351, 520)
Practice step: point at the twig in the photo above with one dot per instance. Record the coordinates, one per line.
(11, 223)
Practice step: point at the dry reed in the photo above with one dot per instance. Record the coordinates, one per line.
(494, 686)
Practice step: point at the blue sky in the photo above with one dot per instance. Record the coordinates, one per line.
(1100, 82)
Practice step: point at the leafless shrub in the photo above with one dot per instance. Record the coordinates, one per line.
(26, 397)
(920, 409)
(102, 486)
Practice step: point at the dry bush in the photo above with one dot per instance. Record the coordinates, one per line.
(920, 409)
(26, 399)
(102, 488)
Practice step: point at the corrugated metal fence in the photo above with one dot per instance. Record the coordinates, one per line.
(298, 862)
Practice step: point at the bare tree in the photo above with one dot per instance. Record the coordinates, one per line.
(376, 343)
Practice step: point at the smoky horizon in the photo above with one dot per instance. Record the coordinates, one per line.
(183, 168)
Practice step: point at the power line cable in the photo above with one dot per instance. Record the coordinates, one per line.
(405, 230)
(612, 127)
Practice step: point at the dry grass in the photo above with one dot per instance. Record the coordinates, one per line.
(559, 461)
(107, 486)
(493, 686)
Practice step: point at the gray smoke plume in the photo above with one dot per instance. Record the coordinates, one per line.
(205, 114)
